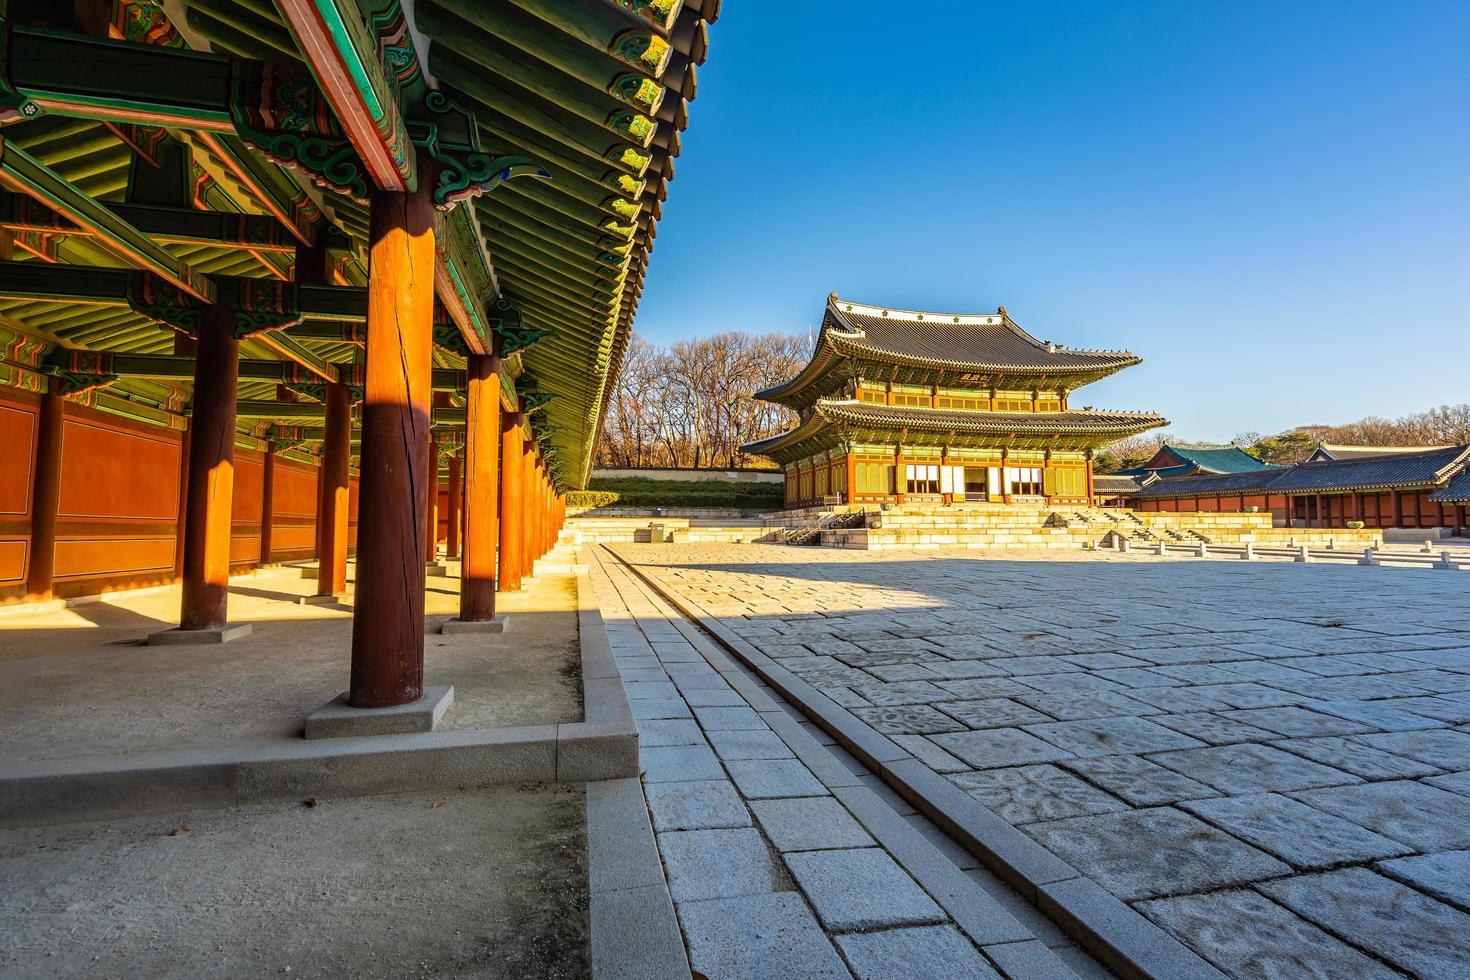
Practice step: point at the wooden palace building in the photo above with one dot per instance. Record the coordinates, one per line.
(294, 278)
(901, 406)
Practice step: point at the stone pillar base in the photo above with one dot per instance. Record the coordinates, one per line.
(436, 569)
(339, 719)
(455, 626)
(319, 600)
(183, 637)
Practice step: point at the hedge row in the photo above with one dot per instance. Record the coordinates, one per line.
(637, 492)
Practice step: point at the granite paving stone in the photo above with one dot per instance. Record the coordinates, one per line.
(696, 805)
(902, 692)
(809, 824)
(1184, 854)
(1025, 794)
(1302, 836)
(1455, 782)
(1376, 715)
(1078, 707)
(722, 719)
(919, 953)
(916, 719)
(1110, 736)
(765, 778)
(1251, 768)
(929, 754)
(757, 937)
(1138, 781)
(982, 688)
(1353, 756)
(662, 732)
(1296, 722)
(678, 763)
(1412, 931)
(999, 747)
(1445, 748)
(1424, 817)
(718, 864)
(1250, 936)
(748, 745)
(861, 889)
(650, 709)
(1250, 695)
(1445, 876)
(989, 713)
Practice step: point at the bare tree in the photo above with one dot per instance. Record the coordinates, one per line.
(692, 403)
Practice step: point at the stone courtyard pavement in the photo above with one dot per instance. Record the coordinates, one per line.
(1271, 761)
(784, 856)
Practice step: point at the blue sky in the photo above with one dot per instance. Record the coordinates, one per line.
(1267, 202)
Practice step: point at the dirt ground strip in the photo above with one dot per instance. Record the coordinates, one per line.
(1270, 761)
(491, 884)
(81, 682)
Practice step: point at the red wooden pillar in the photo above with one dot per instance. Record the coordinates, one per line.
(184, 347)
(388, 616)
(1398, 508)
(511, 470)
(1357, 505)
(267, 490)
(45, 496)
(1459, 520)
(482, 497)
(527, 506)
(431, 502)
(332, 494)
(211, 483)
(451, 547)
(1321, 513)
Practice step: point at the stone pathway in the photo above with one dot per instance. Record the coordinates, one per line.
(1270, 761)
(784, 856)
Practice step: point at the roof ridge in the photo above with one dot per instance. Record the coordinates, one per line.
(839, 305)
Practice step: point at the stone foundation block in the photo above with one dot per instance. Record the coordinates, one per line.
(339, 719)
(454, 627)
(183, 637)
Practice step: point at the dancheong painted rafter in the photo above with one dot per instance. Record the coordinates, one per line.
(375, 242)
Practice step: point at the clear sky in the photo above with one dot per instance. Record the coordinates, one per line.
(1267, 202)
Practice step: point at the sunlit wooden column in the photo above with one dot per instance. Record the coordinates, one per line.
(183, 347)
(527, 506)
(211, 483)
(267, 491)
(451, 506)
(332, 493)
(511, 470)
(388, 615)
(431, 502)
(45, 496)
(481, 492)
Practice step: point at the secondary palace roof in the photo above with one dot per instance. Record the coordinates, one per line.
(1399, 471)
(1457, 491)
(1175, 461)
